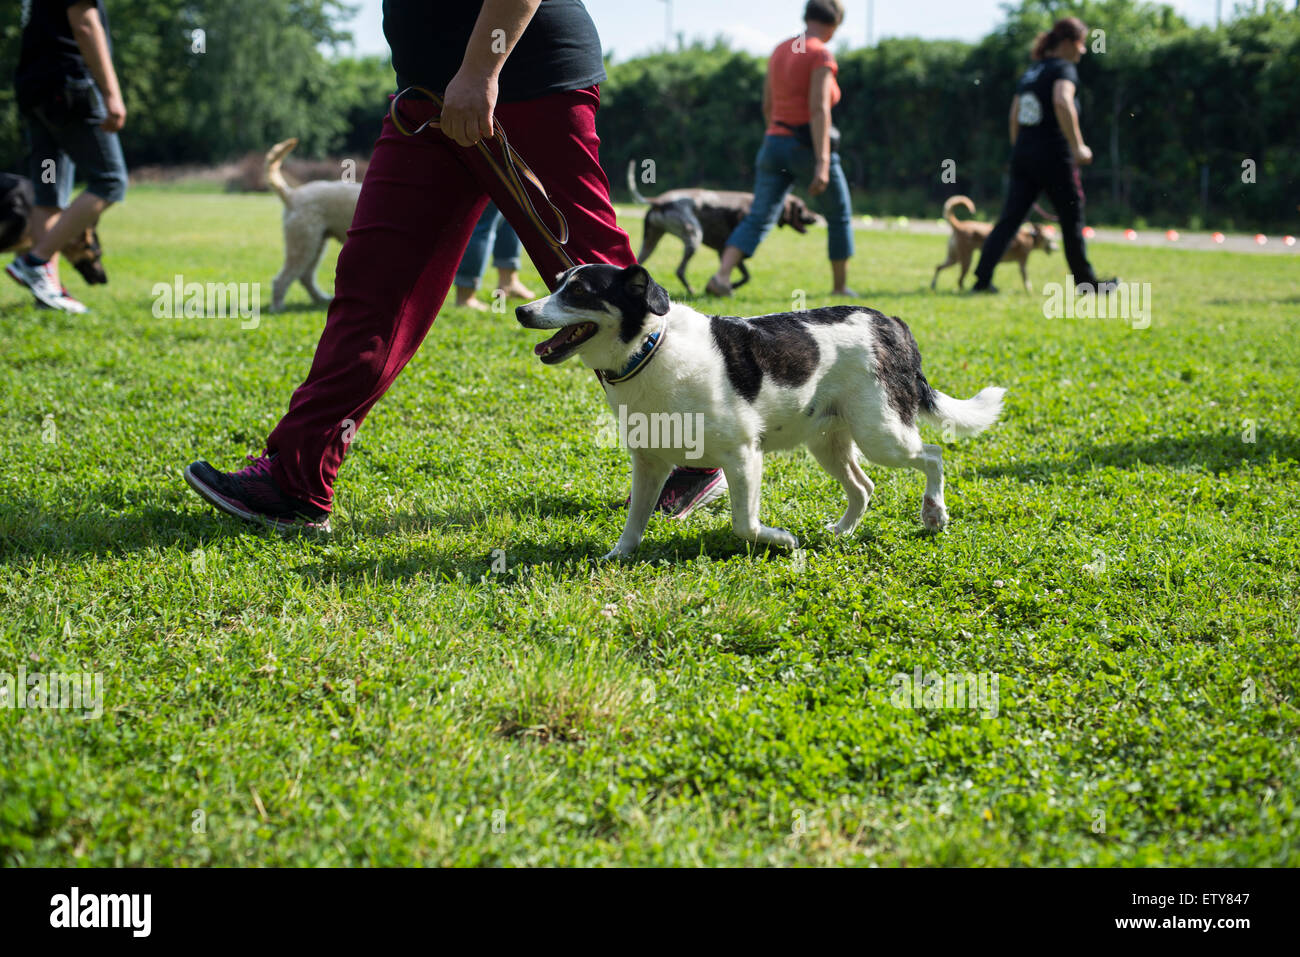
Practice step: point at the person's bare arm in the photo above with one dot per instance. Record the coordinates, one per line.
(1015, 118)
(819, 112)
(1068, 117)
(92, 41)
(471, 96)
(767, 98)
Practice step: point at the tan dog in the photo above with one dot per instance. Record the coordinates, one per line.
(313, 213)
(968, 236)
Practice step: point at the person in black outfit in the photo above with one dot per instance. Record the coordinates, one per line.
(1048, 150)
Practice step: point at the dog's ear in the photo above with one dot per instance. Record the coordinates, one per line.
(639, 285)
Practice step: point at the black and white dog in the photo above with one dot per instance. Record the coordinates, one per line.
(837, 379)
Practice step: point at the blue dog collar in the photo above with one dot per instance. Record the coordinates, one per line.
(639, 360)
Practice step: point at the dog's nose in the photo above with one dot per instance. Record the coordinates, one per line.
(525, 313)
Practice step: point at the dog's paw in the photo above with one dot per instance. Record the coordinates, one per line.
(840, 529)
(780, 538)
(933, 514)
(615, 555)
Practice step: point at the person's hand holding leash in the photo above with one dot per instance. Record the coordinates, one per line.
(1083, 155)
(467, 107)
(471, 96)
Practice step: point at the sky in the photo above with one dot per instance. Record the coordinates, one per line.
(629, 28)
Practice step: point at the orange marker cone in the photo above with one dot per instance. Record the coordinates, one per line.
(1089, 232)
(1217, 237)
(1172, 235)
(1261, 239)
(1130, 234)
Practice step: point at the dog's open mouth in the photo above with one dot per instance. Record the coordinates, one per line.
(564, 342)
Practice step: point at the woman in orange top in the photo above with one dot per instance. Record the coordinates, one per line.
(797, 101)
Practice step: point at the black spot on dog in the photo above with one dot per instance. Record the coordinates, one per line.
(898, 367)
(779, 346)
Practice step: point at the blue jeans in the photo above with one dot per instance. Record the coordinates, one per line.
(492, 231)
(55, 153)
(781, 160)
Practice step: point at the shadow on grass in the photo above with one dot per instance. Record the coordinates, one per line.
(28, 529)
(1219, 452)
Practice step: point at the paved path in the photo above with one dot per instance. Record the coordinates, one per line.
(1235, 242)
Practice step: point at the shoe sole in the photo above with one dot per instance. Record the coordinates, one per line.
(9, 271)
(229, 507)
(711, 493)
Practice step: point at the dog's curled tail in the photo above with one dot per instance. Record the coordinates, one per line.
(631, 184)
(965, 416)
(953, 201)
(274, 158)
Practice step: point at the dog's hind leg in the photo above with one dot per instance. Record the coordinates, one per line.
(648, 477)
(744, 471)
(692, 236)
(900, 446)
(838, 456)
(302, 244)
(650, 238)
(308, 278)
(1024, 275)
(951, 260)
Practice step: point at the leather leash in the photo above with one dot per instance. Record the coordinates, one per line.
(511, 170)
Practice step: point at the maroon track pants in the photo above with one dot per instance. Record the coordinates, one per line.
(419, 202)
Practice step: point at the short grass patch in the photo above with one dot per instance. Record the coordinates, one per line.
(451, 677)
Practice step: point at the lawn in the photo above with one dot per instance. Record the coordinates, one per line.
(452, 677)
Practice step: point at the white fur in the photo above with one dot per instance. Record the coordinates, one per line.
(687, 375)
(313, 213)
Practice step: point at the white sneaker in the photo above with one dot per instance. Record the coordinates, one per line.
(69, 304)
(37, 282)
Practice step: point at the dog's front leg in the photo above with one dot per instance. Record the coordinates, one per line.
(745, 479)
(648, 477)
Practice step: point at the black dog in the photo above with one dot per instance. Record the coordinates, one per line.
(706, 216)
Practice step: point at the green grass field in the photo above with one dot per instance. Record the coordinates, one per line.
(1123, 558)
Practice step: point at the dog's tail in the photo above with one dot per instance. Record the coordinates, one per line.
(274, 158)
(964, 416)
(631, 184)
(954, 201)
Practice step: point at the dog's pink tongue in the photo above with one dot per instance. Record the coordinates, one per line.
(556, 340)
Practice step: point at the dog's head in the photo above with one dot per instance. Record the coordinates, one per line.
(797, 215)
(85, 253)
(600, 312)
(1043, 237)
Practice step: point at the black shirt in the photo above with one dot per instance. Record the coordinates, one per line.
(48, 53)
(559, 49)
(1039, 129)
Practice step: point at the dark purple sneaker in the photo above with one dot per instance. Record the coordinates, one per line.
(688, 489)
(251, 494)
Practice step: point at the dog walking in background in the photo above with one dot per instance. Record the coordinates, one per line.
(705, 217)
(16, 201)
(837, 379)
(313, 213)
(969, 236)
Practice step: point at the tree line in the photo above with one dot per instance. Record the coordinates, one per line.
(1191, 126)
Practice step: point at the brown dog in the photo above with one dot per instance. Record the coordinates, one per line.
(16, 200)
(968, 236)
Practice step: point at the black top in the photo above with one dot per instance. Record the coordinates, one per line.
(1039, 129)
(559, 49)
(48, 54)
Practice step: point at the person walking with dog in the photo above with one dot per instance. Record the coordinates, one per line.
(72, 109)
(491, 232)
(799, 141)
(474, 77)
(1047, 151)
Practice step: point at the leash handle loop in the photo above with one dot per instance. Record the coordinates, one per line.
(512, 176)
